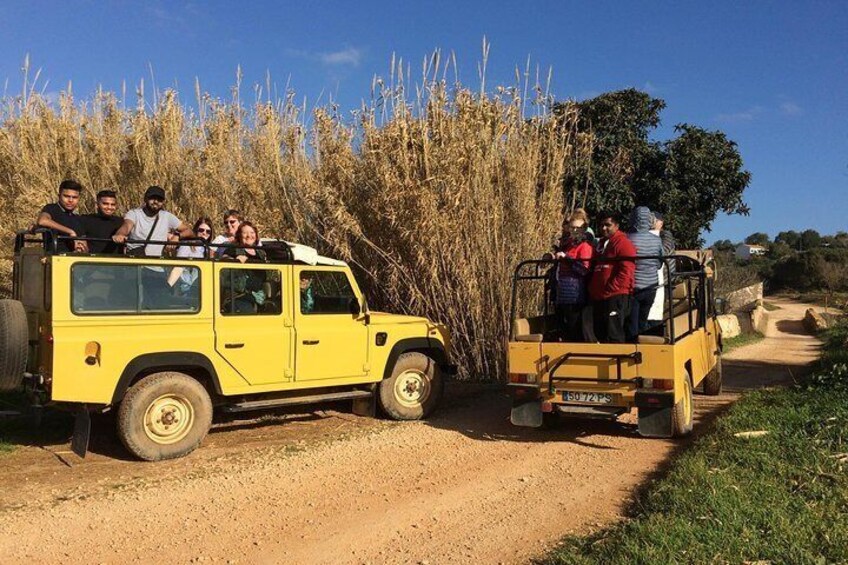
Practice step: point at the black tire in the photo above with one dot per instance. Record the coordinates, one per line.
(14, 343)
(413, 390)
(712, 382)
(551, 420)
(164, 416)
(683, 413)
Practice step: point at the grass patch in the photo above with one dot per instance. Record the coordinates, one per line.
(780, 498)
(741, 340)
(770, 307)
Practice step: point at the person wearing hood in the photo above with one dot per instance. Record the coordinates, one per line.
(646, 279)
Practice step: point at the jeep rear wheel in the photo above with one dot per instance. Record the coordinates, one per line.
(414, 388)
(164, 416)
(712, 382)
(682, 416)
(14, 339)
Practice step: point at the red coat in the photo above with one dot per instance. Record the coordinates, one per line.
(614, 277)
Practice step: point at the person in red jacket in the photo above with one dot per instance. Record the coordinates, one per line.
(574, 255)
(611, 285)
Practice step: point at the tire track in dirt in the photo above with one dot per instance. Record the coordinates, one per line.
(463, 487)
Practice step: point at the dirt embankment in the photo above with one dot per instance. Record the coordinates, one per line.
(333, 488)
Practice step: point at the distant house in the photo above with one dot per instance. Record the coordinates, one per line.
(745, 251)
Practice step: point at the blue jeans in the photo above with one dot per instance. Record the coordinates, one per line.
(642, 301)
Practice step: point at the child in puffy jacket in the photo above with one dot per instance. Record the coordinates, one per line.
(571, 272)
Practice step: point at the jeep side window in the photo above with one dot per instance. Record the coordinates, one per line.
(251, 292)
(129, 289)
(325, 292)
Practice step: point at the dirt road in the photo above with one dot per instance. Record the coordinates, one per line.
(333, 488)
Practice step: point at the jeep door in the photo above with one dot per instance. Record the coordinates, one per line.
(253, 326)
(331, 341)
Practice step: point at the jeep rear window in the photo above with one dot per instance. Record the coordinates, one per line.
(325, 292)
(134, 289)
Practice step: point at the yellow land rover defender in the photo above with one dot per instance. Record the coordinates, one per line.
(165, 341)
(657, 374)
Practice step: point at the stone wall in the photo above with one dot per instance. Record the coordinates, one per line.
(745, 299)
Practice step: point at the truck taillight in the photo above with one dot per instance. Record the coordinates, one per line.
(522, 378)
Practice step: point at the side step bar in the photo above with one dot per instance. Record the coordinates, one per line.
(296, 400)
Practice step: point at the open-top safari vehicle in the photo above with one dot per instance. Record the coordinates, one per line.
(94, 333)
(657, 374)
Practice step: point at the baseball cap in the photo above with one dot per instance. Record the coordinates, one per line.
(154, 192)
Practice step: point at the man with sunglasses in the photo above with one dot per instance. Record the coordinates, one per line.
(104, 224)
(151, 222)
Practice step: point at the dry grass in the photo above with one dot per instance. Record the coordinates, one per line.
(432, 196)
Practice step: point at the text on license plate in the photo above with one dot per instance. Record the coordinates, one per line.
(594, 397)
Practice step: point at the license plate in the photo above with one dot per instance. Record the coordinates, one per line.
(590, 397)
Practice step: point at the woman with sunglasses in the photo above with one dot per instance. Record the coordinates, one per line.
(232, 222)
(574, 255)
(184, 278)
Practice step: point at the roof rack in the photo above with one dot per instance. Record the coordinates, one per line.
(285, 254)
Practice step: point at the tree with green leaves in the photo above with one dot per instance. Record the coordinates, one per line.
(690, 178)
(758, 238)
(790, 238)
(810, 239)
(724, 245)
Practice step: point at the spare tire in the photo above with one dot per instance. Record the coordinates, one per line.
(13, 344)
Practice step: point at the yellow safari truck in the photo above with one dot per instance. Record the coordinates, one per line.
(165, 342)
(657, 375)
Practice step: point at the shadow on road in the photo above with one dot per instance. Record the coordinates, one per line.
(793, 327)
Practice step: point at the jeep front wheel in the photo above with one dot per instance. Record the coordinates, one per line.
(164, 416)
(414, 388)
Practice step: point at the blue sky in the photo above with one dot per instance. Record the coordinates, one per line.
(772, 75)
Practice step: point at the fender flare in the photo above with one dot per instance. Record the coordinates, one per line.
(171, 361)
(433, 347)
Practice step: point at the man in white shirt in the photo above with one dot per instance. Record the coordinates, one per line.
(151, 222)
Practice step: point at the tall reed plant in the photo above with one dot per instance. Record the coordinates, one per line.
(433, 192)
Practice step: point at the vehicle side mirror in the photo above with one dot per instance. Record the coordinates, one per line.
(353, 307)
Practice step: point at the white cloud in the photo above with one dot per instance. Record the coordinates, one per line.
(744, 116)
(791, 109)
(350, 56)
(650, 88)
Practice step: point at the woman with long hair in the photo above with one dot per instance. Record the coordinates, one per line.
(183, 278)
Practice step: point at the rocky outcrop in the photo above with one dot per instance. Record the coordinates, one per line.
(814, 322)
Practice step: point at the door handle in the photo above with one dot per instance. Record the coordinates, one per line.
(310, 342)
(233, 345)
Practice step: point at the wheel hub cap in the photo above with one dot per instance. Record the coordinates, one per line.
(168, 419)
(412, 388)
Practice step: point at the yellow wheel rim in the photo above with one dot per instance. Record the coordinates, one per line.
(412, 388)
(168, 419)
(687, 400)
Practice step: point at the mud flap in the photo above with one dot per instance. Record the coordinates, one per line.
(367, 406)
(82, 431)
(655, 422)
(527, 414)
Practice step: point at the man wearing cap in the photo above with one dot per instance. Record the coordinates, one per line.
(151, 222)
